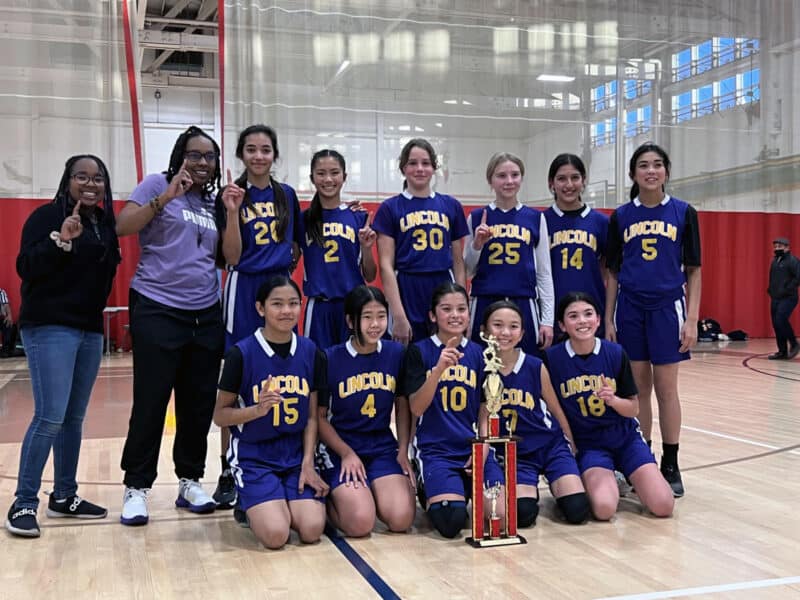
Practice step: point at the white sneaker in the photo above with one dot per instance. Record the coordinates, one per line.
(191, 495)
(134, 507)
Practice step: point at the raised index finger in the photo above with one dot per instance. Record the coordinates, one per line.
(453, 342)
(483, 217)
(77, 208)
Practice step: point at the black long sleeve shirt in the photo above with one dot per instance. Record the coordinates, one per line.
(65, 288)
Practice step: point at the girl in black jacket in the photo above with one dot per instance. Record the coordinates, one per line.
(67, 261)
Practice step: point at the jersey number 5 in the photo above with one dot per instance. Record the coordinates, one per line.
(649, 251)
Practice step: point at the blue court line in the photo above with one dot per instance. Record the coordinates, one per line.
(360, 565)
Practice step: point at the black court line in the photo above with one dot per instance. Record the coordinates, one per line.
(353, 557)
(359, 564)
(746, 365)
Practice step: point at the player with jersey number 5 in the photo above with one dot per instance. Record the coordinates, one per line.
(653, 294)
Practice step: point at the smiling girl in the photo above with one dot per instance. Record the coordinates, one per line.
(444, 376)
(337, 251)
(595, 385)
(578, 233)
(366, 467)
(419, 242)
(268, 399)
(507, 253)
(532, 411)
(653, 294)
(67, 261)
(259, 218)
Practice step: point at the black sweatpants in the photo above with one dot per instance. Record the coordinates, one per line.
(178, 350)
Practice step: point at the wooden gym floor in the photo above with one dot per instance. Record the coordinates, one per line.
(734, 534)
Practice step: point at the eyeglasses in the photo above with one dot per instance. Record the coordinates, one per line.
(195, 156)
(83, 179)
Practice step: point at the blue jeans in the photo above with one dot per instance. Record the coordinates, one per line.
(63, 363)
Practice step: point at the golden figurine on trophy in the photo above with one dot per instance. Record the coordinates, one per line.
(499, 533)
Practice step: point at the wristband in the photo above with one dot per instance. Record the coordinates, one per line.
(156, 206)
(65, 246)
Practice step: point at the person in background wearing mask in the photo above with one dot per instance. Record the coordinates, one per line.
(784, 277)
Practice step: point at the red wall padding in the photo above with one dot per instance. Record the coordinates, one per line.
(737, 249)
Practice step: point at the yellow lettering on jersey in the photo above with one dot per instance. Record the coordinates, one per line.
(374, 380)
(424, 217)
(283, 384)
(517, 397)
(339, 230)
(574, 236)
(585, 383)
(641, 228)
(256, 210)
(460, 373)
(509, 230)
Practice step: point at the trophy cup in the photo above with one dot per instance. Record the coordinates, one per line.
(502, 531)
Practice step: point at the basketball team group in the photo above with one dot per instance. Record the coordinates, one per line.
(376, 405)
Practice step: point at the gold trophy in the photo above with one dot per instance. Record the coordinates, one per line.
(498, 534)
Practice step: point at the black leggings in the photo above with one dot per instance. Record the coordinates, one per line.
(178, 350)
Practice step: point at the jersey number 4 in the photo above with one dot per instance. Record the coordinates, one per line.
(368, 408)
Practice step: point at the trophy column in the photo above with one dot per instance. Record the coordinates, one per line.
(502, 531)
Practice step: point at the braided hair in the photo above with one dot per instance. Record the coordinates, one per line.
(179, 150)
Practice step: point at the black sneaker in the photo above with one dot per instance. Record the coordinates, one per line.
(241, 518)
(225, 495)
(673, 476)
(22, 522)
(75, 507)
(778, 356)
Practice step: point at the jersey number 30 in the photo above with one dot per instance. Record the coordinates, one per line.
(424, 239)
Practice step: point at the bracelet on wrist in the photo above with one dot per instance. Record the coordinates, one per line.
(65, 246)
(156, 206)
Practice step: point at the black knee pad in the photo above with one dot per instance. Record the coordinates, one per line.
(448, 517)
(575, 507)
(527, 511)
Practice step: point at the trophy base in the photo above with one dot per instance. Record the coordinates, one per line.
(510, 540)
